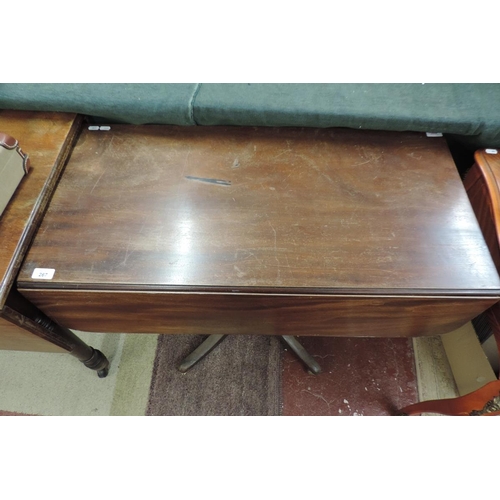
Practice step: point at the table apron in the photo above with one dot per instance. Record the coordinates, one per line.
(302, 315)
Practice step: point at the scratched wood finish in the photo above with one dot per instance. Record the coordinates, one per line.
(303, 315)
(47, 139)
(15, 338)
(331, 210)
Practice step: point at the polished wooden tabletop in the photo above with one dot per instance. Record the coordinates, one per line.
(47, 139)
(261, 209)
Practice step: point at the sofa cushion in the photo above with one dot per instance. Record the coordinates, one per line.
(135, 103)
(467, 113)
(459, 109)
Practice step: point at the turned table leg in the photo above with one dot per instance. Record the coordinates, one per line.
(23, 313)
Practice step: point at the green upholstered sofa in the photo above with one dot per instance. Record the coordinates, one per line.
(467, 114)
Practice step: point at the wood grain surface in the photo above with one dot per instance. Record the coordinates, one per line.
(262, 209)
(482, 184)
(47, 139)
(257, 314)
(15, 338)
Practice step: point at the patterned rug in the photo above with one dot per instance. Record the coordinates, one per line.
(241, 376)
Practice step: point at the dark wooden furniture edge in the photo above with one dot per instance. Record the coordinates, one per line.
(386, 292)
(18, 314)
(482, 185)
(22, 312)
(337, 315)
(38, 211)
(491, 184)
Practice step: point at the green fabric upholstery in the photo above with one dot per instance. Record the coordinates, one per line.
(468, 114)
(459, 109)
(117, 102)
